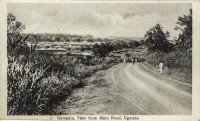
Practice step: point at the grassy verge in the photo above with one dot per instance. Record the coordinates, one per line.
(38, 82)
(177, 65)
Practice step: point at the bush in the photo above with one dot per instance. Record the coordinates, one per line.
(30, 92)
(24, 88)
(37, 81)
(179, 61)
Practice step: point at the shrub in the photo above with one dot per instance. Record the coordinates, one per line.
(24, 88)
(30, 92)
(156, 40)
(37, 81)
(179, 61)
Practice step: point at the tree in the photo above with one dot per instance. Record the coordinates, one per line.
(16, 43)
(103, 49)
(156, 40)
(142, 42)
(14, 26)
(127, 55)
(67, 40)
(77, 40)
(99, 40)
(184, 24)
(90, 40)
(57, 39)
(136, 43)
(133, 44)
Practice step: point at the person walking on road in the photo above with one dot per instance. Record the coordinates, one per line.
(136, 59)
(133, 61)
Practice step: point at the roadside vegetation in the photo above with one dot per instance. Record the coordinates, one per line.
(38, 80)
(176, 55)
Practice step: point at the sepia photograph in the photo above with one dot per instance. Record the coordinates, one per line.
(99, 59)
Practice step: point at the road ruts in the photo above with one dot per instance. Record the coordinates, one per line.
(148, 92)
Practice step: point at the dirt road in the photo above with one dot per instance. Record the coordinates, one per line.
(127, 89)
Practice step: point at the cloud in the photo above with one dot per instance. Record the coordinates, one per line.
(98, 19)
(106, 19)
(129, 15)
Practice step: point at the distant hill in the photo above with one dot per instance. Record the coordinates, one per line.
(128, 38)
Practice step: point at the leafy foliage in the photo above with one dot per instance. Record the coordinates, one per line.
(31, 92)
(14, 26)
(39, 80)
(184, 24)
(179, 59)
(157, 40)
(127, 55)
(177, 64)
(103, 49)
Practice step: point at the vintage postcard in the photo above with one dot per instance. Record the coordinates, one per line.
(100, 60)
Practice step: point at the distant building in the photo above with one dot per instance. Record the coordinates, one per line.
(82, 53)
(64, 45)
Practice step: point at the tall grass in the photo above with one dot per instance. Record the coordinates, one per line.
(30, 91)
(24, 94)
(38, 81)
(177, 64)
(37, 84)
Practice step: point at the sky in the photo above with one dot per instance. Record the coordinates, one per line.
(99, 19)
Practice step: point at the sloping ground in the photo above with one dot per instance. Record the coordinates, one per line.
(129, 89)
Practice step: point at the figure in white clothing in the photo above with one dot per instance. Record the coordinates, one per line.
(124, 60)
(161, 67)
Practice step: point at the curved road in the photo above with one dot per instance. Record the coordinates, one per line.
(127, 89)
(149, 92)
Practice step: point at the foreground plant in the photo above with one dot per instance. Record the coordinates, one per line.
(25, 88)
